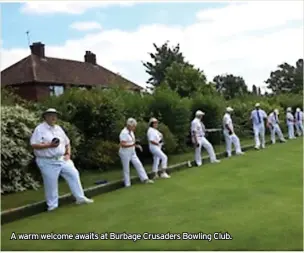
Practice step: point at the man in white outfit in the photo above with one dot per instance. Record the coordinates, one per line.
(273, 124)
(257, 117)
(199, 140)
(230, 136)
(290, 121)
(299, 122)
(156, 142)
(128, 154)
(53, 157)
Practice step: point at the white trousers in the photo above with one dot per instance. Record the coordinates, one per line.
(291, 134)
(299, 127)
(158, 155)
(259, 131)
(51, 169)
(127, 156)
(275, 129)
(203, 142)
(229, 139)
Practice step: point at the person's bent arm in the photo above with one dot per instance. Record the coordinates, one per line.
(41, 146)
(124, 144)
(154, 143)
(68, 150)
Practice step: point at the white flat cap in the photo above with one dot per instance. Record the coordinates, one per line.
(50, 110)
(229, 109)
(152, 120)
(276, 111)
(199, 113)
(298, 109)
(257, 104)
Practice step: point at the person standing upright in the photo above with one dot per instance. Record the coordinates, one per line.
(128, 154)
(299, 122)
(230, 136)
(290, 121)
(273, 124)
(156, 142)
(258, 117)
(199, 140)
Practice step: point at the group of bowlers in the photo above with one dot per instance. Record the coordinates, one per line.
(52, 148)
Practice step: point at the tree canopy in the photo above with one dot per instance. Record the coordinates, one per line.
(287, 78)
(230, 86)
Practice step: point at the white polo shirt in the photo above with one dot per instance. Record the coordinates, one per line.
(154, 135)
(128, 137)
(273, 119)
(197, 127)
(255, 114)
(299, 116)
(227, 121)
(44, 133)
(289, 118)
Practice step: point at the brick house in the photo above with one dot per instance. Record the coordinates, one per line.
(37, 77)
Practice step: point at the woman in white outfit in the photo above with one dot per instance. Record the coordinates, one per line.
(155, 139)
(290, 121)
(128, 154)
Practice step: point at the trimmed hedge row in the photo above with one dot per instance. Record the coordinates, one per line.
(93, 120)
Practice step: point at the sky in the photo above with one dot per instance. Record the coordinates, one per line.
(248, 39)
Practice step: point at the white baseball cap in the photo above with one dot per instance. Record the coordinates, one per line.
(298, 109)
(276, 111)
(229, 109)
(289, 109)
(199, 113)
(257, 104)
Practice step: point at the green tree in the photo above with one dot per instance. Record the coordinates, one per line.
(162, 59)
(230, 86)
(259, 91)
(254, 90)
(185, 79)
(287, 78)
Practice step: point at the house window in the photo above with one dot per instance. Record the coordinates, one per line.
(56, 90)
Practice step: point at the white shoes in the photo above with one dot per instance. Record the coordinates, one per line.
(240, 153)
(216, 161)
(164, 175)
(156, 176)
(50, 209)
(85, 200)
(149, 181)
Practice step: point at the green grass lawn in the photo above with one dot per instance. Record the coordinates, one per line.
(89, 178)
(256, 198)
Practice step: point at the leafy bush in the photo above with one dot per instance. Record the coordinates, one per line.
(75, 136)
(17, 124)
(131, 104)
(98, 154)
(93, 112)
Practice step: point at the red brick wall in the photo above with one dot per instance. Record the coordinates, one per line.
(42, 91)
(32, 91)
(26, 91)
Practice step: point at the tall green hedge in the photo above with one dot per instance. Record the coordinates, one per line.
(93, 120)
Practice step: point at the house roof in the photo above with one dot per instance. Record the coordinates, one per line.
(61, 71)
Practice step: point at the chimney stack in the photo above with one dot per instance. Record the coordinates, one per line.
(37, 48)
(90, 57)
